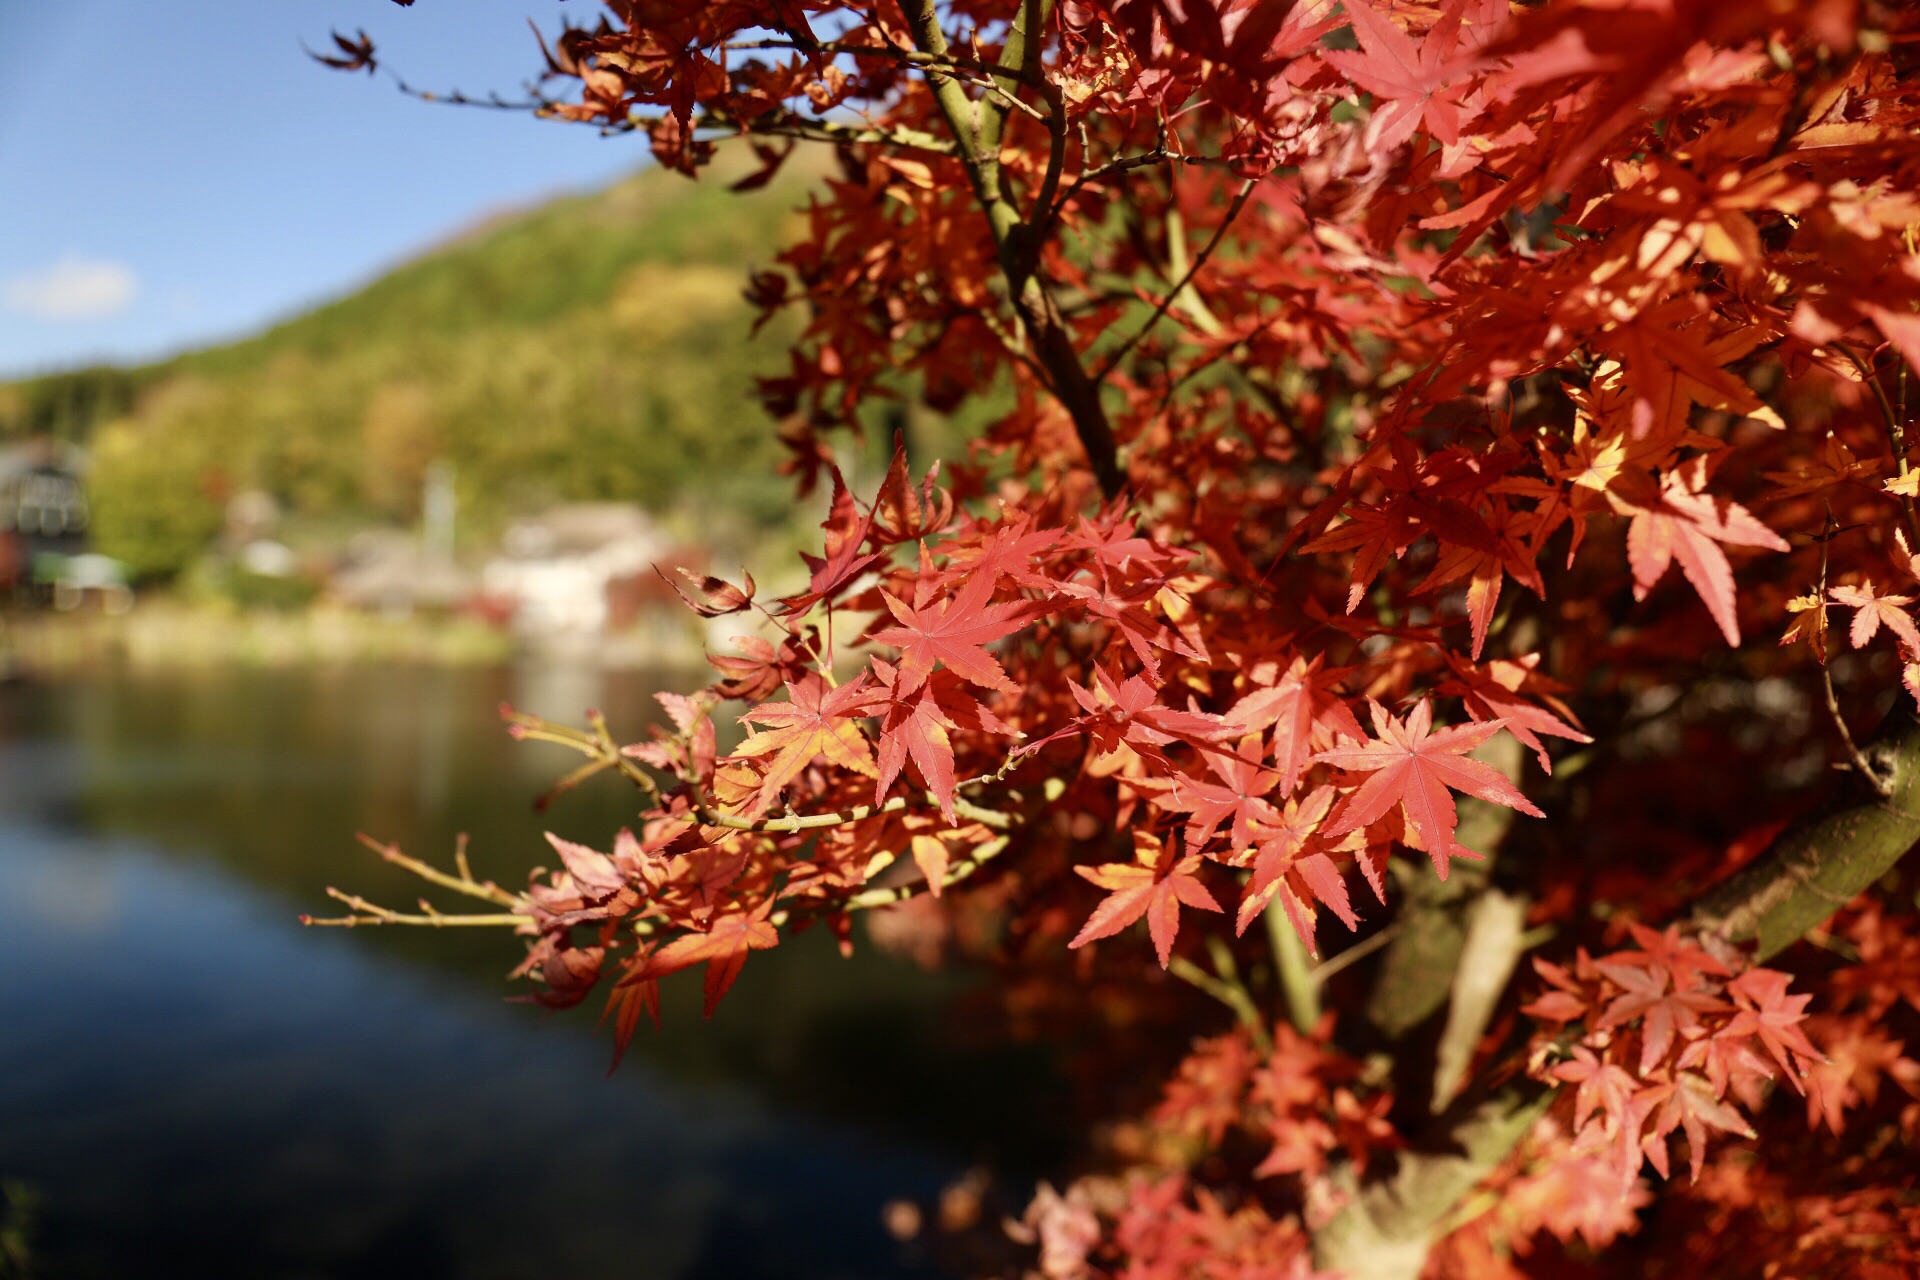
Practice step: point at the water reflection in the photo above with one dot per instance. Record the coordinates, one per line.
(198, 1086)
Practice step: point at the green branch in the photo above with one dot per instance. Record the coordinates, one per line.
(1821, 863)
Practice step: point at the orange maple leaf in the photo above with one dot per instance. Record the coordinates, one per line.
(723, 947)
(815, 721)
(1871, 610)
(1412, 766)
(1284, 866)
(1153, 886)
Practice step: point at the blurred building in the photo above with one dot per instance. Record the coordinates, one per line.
(569, 570)
(43, 507)
(390, 572)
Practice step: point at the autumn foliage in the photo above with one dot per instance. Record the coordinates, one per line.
(1384, 630)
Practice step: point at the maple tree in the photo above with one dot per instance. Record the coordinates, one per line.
(1305, 327)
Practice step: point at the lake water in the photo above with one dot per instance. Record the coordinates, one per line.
(194, 1085)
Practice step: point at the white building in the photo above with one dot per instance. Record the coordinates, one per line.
(555, 569)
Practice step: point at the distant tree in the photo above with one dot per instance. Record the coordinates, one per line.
(1403, 403)
(159, 487)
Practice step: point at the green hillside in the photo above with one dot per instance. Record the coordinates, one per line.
(594, 348)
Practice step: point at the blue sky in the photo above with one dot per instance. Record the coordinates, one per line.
(173, 174)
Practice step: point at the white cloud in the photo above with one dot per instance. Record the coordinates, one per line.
(74, 288)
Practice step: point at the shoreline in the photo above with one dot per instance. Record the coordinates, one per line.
(158, 633)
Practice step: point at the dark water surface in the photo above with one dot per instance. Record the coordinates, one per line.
(194, 1085)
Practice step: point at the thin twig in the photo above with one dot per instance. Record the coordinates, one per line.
(999, 91)
(859, 813)
(1896, 433)
(534, 101)
(1126, 164)
(1219, 233)
(778, 123)
(1860, 762)
(372, 913)
(598, 746)
(464, 883)
(1858, 757)
(959, 871)
(1352, 955)
(1226, 988)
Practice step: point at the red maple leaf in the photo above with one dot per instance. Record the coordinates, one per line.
(1412, 766)
(1495, 692)
(630, 998)
(953, 632)
(1775, 1017)
(593, 872)
(1563, 1005)
(1415, 82)
(723, 948)
(1128, 712)
(1683, 960)
(1730, 1062)
(1154, 886)
(1688, 524)
(899, 512)
(918, 727)
(1007, 552)
(815, 721)
(1285, 863)
(1666, 1010)
(1301, 708)
(847, 529)
(1206, 1096)
(1113, 546)
(1130, 610)
(761, 672)
(718, 597)
(1604, 1089)
(1692, 1106)
(1607, 1091)
(1238, 799)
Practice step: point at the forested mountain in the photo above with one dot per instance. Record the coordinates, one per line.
(596, 347)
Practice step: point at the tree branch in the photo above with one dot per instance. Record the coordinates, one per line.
(1496, 937)
(859, 813)
(961, 870)
(1302, 990)
(1387, 1227)
(1226, 988)
(893, 53)
(486, 891)
(363, 912)
(977, 132)
(1820, 864)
